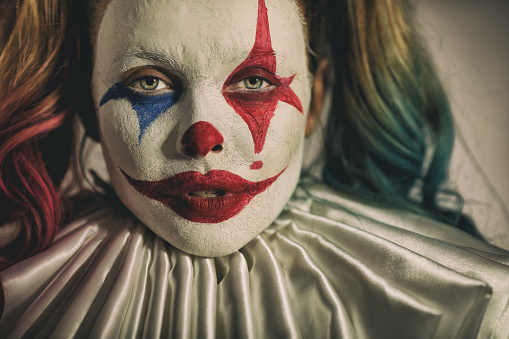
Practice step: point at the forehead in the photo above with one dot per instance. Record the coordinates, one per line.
(196, 32)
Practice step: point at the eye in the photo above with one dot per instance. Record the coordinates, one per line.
(151, 83)
(148, 81)
(252, 80)
(255, 83)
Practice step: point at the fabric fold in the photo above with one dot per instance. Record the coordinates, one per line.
(329, 266)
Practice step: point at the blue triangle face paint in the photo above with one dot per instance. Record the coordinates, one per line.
(147, 107)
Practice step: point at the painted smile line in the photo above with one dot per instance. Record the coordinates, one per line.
(205, 198)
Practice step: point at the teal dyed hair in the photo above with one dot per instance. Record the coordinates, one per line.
(390, 127)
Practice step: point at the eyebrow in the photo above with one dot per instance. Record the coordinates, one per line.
(150, 55)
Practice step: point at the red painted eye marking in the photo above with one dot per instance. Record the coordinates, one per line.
(257, 107)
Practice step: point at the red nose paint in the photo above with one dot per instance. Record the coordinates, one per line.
(202, 137)
(257, 108)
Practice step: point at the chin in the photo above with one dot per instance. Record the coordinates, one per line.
(211, 239)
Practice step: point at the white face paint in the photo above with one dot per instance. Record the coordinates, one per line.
(202, 127)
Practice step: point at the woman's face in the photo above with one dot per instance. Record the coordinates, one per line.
(202, 108)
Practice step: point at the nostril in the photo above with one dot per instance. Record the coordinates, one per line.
(217, 148)
(200, 139)
(189, 151)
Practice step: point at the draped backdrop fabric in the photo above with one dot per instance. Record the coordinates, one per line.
(329, 266)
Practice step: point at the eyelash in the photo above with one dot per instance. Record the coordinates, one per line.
(247, 80)
(239, 82)
(140, 84)
(245, 83)
(147, 81)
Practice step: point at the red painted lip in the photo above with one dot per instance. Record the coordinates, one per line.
(173, 192)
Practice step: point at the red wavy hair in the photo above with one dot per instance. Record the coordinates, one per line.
(35, 122)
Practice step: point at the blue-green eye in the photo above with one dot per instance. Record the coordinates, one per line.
(154, 82)
(149, 83)
(253, 82)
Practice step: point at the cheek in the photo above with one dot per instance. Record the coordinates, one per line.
(119, 130)
(118, 127)
(147, 107)
(284, 149)
(285, 134)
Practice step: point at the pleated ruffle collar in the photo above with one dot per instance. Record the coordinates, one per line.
(329, 266)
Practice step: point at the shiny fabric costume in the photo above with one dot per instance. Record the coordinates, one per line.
(329, 266)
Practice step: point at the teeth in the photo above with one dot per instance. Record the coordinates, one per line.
(206, 194)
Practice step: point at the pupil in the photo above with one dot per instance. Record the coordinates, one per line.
(253, 82)
(149, 83)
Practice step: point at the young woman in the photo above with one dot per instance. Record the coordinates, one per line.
(202, 109)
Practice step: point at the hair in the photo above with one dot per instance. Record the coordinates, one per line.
(388, 107)
(390, 129)
(39, 74)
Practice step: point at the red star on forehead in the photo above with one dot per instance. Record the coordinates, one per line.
(257, 108)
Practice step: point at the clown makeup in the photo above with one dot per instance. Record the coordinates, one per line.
(202, 109)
